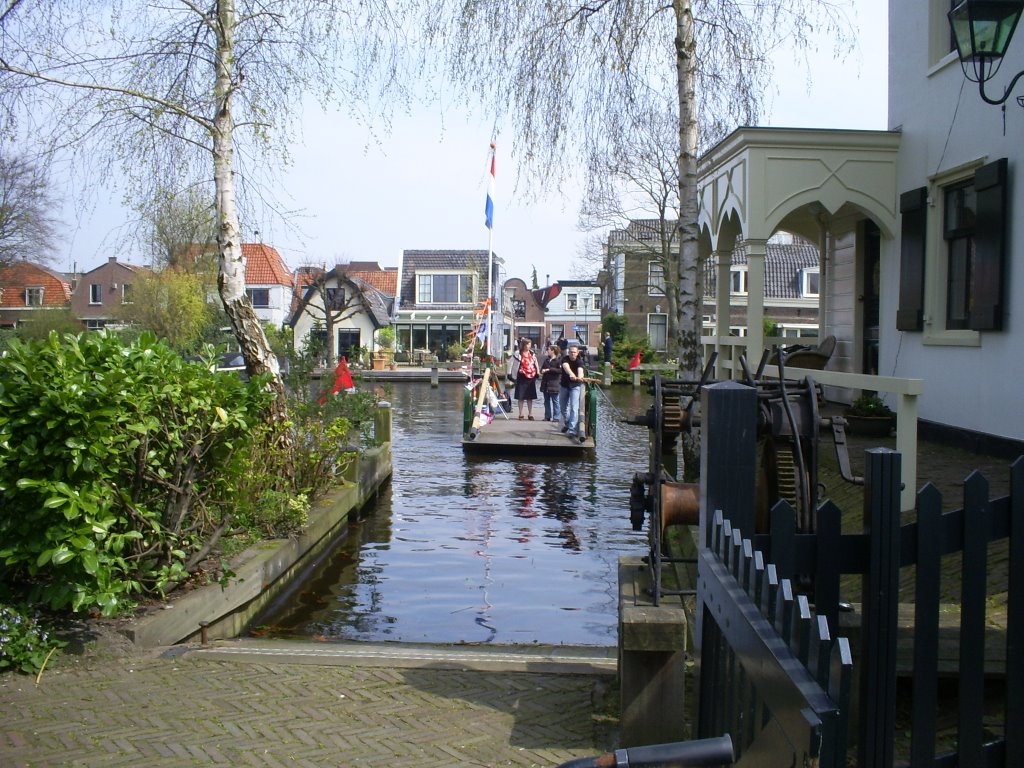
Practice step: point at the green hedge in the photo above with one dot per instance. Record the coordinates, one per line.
(117, 465)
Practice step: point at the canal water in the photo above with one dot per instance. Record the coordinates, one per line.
(463, 549)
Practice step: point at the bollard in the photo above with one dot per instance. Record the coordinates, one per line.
(203, 638)
(433, 376)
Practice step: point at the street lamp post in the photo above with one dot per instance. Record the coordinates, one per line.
(982, 30)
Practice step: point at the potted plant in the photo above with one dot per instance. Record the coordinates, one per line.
(384, 356)
(869, 416)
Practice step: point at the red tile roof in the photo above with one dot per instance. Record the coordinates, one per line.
(17, 277)
(264, 265)
(385, 280)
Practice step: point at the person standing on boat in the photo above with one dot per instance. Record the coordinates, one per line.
(524, 363)
(551, 382)
(569, 394)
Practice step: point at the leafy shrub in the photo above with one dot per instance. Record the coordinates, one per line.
(24, 643)
(117, 465)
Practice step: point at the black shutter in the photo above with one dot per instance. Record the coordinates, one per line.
(914, 210)
(986, 307)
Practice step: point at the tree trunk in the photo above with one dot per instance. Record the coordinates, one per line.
(689, 310)
(231, 274)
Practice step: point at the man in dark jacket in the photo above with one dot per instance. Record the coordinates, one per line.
(607, 347)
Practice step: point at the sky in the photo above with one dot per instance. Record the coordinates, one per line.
(424, 185)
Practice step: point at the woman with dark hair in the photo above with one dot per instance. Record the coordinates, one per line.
(526, 370)
(551, 383)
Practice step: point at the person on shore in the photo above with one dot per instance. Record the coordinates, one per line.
(570, 391)
(563, 344)
(607, 347)
(551, 382)
(524, 362)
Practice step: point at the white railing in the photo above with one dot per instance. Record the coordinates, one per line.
(730, 348)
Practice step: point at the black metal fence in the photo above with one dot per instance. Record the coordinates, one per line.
(773, 676)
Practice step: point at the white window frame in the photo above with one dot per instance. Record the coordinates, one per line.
(251, 292)
(32, 291)
(805, 283)
(95, 293)
(572, 301)
(655, 279)
(742, 273)
(461, 274)
(126, 290)
(651, 316)
(936, 266)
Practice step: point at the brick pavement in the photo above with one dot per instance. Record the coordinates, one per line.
(198, 710)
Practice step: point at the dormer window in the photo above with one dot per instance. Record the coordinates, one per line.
(810, 283)
(572, 301)
(34, 296)
(444, 288)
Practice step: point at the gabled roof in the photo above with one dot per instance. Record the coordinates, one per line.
(641, 229)
(384, 280)
(112, 261)
(15, 278)
(264, 265)
(376, 304)
(782, 265)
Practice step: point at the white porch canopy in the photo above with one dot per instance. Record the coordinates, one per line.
(760, 180)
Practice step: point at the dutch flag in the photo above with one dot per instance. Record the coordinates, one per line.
(489, 207)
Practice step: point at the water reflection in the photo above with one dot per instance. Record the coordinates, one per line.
(474, 549)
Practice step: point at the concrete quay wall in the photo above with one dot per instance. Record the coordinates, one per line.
(266, 571)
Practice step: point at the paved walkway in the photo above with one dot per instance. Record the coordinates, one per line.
(260, 703)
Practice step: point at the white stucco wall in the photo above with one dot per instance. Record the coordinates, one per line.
(974, 384)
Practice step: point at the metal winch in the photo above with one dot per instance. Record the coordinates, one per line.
(788, 429)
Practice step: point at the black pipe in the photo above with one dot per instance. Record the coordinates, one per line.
(702, 753)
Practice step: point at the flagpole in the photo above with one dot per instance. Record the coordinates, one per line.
(490, 251)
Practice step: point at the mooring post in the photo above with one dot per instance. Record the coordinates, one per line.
(433, 376)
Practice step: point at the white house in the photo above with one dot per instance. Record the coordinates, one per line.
(268, 283)
(576, 313)
(949, 279)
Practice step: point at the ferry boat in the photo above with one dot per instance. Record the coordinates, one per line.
(489, 426)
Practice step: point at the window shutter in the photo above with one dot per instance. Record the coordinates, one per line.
(914, 210)
(986, 310)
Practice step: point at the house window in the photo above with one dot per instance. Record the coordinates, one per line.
(519, 309)
(34, 296)
(259, 297)
(348, 342)
(657, 331)
(958, 232)
(655, 279)
(809, 283)
(953, 255)
(557, 331)
(572, 301)
(738, 280)
(126, 293)
(444, 288)
(95, 293)
(335, 298)
(95, 325)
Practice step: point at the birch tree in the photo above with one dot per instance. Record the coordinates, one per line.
(555, 71)
(169, 94)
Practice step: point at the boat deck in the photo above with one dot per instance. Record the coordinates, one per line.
(524, 437)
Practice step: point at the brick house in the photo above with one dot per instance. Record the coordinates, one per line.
(99, 293)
